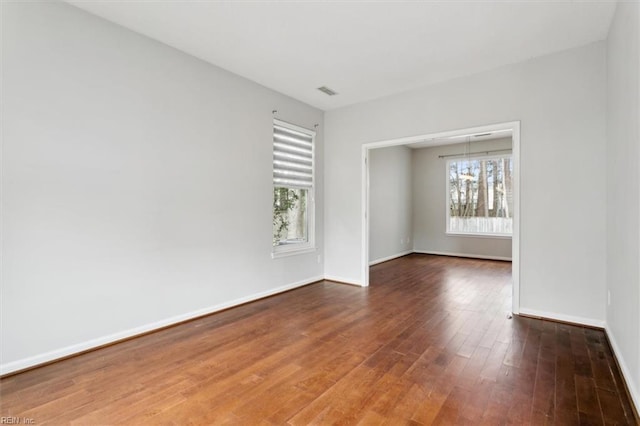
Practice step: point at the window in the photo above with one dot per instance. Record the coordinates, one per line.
(293, 189)
(480, 196)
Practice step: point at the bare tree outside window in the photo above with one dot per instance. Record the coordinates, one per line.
(480, 196)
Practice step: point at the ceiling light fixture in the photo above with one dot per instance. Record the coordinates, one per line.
(468, 175)
(475, 135)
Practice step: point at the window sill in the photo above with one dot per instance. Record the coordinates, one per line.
(286, 251)
(465, 234)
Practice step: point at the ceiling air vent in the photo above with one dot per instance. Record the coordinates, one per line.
(326, 90)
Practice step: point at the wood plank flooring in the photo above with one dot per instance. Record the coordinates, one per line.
(428, 342)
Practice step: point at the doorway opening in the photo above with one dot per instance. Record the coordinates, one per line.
(468, 139)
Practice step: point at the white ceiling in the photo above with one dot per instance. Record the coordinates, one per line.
(361, 49)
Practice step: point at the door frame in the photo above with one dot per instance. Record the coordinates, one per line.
(514, 126)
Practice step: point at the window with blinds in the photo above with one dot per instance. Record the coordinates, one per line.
(293, 195)
(292, 157)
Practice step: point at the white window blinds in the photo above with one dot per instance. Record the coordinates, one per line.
(292, 156)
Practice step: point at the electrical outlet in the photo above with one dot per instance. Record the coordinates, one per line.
(608, 298)
(401, 240)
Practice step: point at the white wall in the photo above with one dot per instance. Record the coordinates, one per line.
(623, 190)
(390, 203)
(430, 205)
(136, 185)
(560, 101)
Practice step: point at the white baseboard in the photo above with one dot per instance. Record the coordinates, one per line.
(393, 256)
(626, 373)
(343, 280)
(562, 317)
(36, 360)
(473, 256)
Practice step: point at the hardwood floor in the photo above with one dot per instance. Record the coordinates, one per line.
(428, 342)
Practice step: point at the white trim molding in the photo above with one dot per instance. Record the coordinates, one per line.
(387, 258)
(590, 322)
(364, 240)
(78, 348)
(342, 280)
(467, 255)
(624, 369)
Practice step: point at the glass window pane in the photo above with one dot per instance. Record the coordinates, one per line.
(290, 224)
(481, 196)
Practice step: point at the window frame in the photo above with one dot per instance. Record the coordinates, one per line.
(308, 246)
(447, 195)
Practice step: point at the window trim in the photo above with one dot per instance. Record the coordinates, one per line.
(308, 246)
(447, 203)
